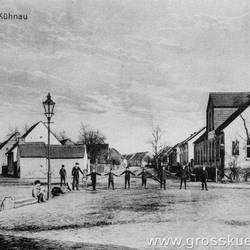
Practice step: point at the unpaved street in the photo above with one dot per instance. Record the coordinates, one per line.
(130, 217)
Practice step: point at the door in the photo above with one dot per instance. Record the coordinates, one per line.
(11, 163)
(222, 162)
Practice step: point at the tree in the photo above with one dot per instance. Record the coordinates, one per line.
(61, 135)
(89, 136)
(95, 141)
(25, 128)
(157, 146)
(246, 129)
(13, 130)
(16, 130)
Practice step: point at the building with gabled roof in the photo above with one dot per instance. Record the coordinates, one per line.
(225, 145)
(187, 148)
(139, 159)
(182, 153)
(173, 156)
(32, 159)
(38, 132)
(115, 156)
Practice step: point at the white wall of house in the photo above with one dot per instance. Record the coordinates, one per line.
(235, 131)
(33, 167)
(37, 167)
(40, 134)
(178, 154)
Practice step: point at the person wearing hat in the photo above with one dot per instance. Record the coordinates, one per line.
(127, 174)
(93, 175)
(75, 173)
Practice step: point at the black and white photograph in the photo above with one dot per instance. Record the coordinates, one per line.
(125, 124)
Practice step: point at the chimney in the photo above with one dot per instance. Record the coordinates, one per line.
(21, 140)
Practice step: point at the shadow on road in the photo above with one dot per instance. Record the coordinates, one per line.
(13, 242)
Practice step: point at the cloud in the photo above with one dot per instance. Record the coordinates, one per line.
(123, 66)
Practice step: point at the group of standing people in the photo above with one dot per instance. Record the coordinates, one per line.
(76, 170)
(38, 191)
(184, 173)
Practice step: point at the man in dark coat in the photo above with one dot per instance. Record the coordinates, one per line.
(93, 175)
(127, 174)
(111, 178)
(204, 176)
(75, 173)
(62, 173)
(184, 175)
(144, 175)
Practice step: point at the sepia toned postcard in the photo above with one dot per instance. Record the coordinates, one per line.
(125, 124)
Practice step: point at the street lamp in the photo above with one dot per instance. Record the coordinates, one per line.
(48, 105)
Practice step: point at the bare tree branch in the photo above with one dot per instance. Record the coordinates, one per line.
(246, 128)
(89, 136)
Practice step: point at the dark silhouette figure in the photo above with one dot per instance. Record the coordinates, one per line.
(204, 176)
(93, 175)
(111, 179)
(75, 174)
(184, 175)
(127, 174)
(62, 173)
(163, 177)
(144, 176)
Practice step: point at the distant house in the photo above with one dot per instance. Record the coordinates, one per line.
(32, 159)
(114, 156)
(127, 157)
(173, 157)
(139, 159)
(187, 148)
(102, 157)
(225, 144)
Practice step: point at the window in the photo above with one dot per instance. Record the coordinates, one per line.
(248, 150)
(209, 121)
(222, 139)
(235, 147)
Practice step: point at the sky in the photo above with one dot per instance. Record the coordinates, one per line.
(121, 66)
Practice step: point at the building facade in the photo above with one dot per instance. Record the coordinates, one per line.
(38, 132)
(187, 148)
(32, 160)
(223, 147)
(139, 159)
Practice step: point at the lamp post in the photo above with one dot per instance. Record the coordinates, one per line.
(48, 105)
